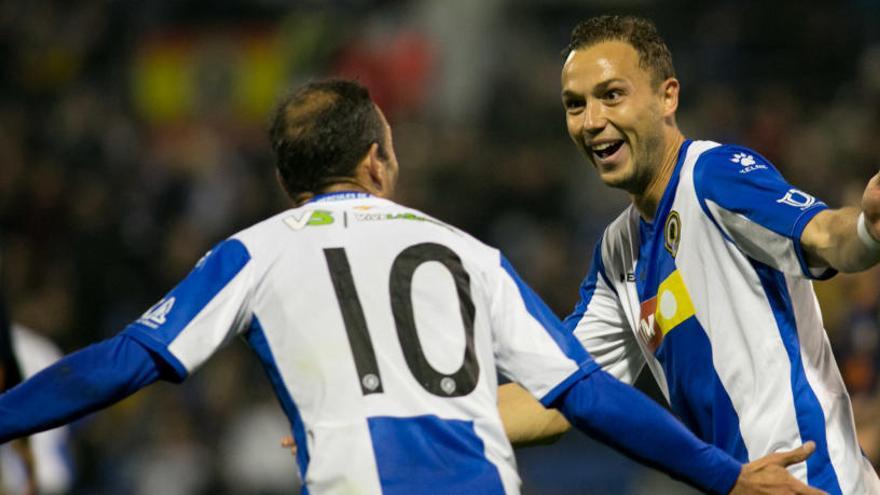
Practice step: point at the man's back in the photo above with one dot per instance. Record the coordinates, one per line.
(381, 329)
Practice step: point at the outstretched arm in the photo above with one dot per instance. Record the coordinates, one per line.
(629, 421)
(80, 383)
(846, 238)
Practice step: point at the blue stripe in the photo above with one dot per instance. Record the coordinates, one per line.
(810, 417)
(431, 456)
(256, 339)
(549, 321)
(696, 393)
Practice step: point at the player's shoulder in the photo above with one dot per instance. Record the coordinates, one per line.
(726, 170)
(733, 160)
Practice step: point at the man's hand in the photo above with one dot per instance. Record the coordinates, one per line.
(768, 475)
(289, 443)
(871, 206)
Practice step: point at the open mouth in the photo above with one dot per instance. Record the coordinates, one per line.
(604, 150)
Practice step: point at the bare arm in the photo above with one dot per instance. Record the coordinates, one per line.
(526, 421)
(831, 238)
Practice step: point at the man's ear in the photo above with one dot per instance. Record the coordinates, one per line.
(669, 93)
(376, 169)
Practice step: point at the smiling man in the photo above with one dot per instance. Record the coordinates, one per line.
(706, 277)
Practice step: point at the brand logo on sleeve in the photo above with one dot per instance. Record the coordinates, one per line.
(156, 316)
(798, 199)
(748, 163)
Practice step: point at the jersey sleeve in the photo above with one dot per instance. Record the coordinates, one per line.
(598, 322)
(531, 346)
(756, 209)
(204, 312)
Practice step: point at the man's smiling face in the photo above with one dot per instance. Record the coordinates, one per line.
(614, 113)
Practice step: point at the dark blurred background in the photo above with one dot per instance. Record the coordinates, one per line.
(133, 137)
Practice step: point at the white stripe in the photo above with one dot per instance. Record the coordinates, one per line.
(604, 333)
(757, 241)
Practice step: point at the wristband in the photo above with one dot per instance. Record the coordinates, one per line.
(867, 239)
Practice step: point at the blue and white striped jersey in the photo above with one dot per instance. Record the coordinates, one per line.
(715, 296)
(381, 330)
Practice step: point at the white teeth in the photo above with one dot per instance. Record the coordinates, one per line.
(602, 147)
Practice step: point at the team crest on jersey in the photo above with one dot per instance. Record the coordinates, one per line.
(309, 218)
(672, 233)
(662, 313)
(747, 162)
(156, 316)
(798, 199)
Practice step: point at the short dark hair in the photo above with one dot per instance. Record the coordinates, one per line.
(640, 33)
(321, 131)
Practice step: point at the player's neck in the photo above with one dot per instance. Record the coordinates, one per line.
(648, 201)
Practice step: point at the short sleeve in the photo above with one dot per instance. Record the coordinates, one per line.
(599, 323)
(202, 313)
(532, 347)
(754, 207)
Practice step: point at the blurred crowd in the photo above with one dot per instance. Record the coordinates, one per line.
(133, 138)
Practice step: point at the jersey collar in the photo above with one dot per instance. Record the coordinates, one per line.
(338, 196)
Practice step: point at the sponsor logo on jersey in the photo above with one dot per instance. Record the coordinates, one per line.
(662, 313)
(798, 199)
(156, 316)
(748, 163)
(309, 218)
(377, 217)
(672, 233)
(369, 217)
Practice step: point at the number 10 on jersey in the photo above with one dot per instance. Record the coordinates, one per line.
(457, 384)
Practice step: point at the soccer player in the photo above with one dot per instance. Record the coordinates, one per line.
(381, 330)
(705, 277)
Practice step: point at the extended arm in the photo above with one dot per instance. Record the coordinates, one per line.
(832, 237)
(80, 383)
(629, 421)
